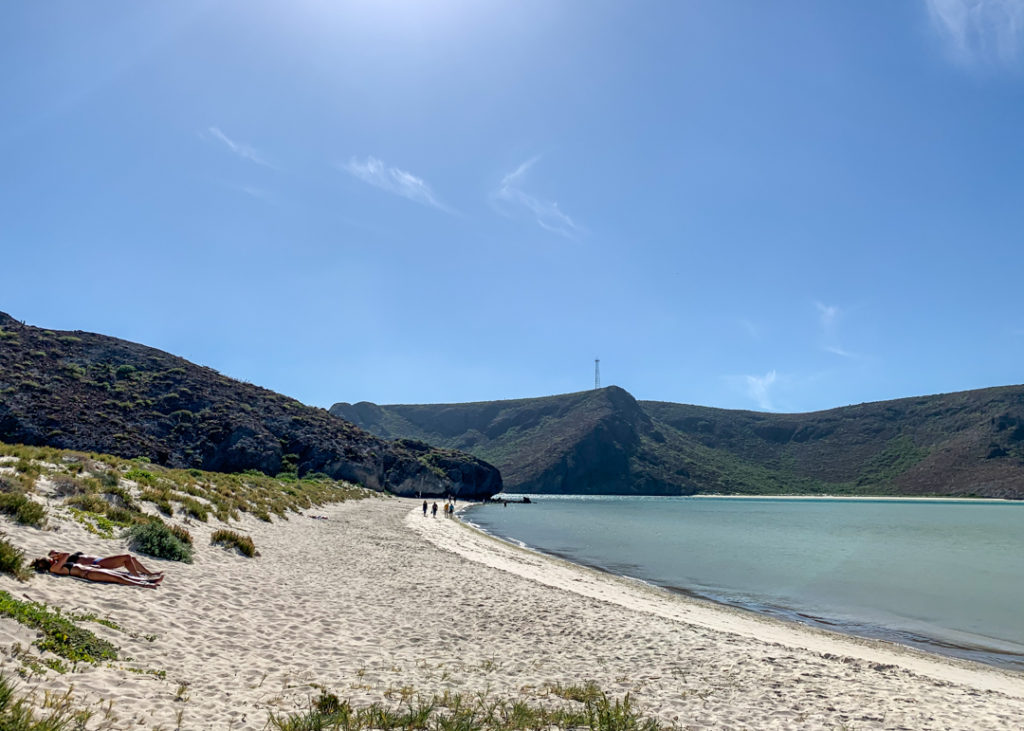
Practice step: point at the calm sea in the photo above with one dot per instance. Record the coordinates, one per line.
(946, 576)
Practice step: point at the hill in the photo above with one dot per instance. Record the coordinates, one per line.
(606, 442)
(89, 392)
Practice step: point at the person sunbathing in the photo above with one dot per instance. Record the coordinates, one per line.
(105, 570)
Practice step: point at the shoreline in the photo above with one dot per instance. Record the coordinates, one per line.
(724, 496)
(707, 612)
(988, 656)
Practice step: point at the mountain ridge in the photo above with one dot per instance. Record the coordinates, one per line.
(603, 441)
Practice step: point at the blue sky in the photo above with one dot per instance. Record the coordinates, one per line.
(783, 206)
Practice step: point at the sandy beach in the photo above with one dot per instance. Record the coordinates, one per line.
(376, 600)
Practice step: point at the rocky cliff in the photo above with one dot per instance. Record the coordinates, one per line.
(83, 391)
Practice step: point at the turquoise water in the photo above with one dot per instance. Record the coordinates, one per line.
(946, 576)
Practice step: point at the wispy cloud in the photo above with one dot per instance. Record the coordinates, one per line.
(242, 150)
(980, 31)
(759, 388)
(546, 213)
(253, 192)
(393, 180)
(828, 319)
(750, 328)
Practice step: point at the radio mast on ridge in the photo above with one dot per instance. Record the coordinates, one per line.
(597, 373)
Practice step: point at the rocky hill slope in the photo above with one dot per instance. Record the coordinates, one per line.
(604, 441)
(89, 392)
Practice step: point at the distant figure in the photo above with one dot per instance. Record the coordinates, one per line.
(104, 570)
(434, 511)
(424, 508)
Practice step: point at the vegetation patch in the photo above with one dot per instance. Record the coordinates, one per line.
(96, 523)
(899, 455)
(24, 510)
(17, 715)
(587, 708)
(58, 634)
(92, 488)
(231, 539)
(182, 534)
(156, 539)
(12, 560)
(66, 486)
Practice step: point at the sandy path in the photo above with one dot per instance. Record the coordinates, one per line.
(378, 599)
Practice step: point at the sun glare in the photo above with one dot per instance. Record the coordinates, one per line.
(400, 17)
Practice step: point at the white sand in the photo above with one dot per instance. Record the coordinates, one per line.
(378, 598)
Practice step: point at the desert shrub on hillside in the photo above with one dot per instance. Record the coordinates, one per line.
(121, 515)
(22, 509)
(156, 539)
(12, 560)
(109, 479)
(90, 502)
(9, 484)
(231, 539)
(121, 497)
(64, 486)
(159, 499)
(182, 534)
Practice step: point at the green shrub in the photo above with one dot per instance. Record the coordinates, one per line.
(27, 468)
(159, 499)
(121, 497)
(109, 479)
(120, 515)
(22, 509)
(194, 509)
(156, 539)
(89, 502)
(143, 477)
(12, 560)
(231, 539)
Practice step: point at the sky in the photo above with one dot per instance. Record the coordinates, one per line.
(786, 206)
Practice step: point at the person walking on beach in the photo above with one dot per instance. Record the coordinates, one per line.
(424, 508)
(434, 511)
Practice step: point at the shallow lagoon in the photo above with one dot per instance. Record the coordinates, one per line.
(942, 575)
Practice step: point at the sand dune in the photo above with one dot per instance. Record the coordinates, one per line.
(377, 599)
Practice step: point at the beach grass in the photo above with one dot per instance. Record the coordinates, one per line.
(582, 707)
(231, 539)
(17, 714)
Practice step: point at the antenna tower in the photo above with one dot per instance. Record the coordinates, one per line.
(597, 373)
